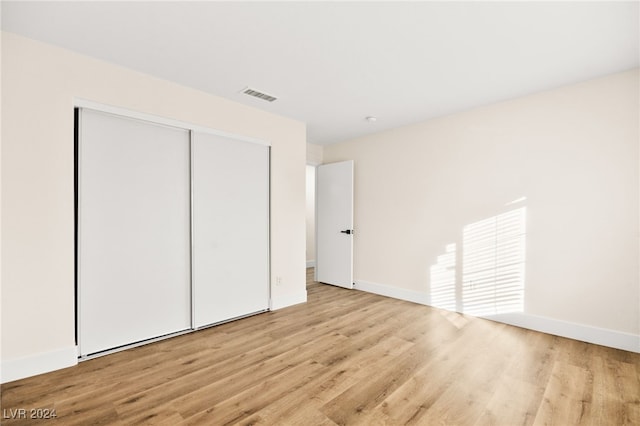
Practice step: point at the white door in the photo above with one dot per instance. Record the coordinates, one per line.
(133, 231)
(334, 224)
(230, 228)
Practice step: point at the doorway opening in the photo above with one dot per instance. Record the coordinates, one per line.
(311, 216)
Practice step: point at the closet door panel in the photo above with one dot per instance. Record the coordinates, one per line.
(134, 231)
(230, 228)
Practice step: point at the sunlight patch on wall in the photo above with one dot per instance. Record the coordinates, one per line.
(493, 262)
(443, 280)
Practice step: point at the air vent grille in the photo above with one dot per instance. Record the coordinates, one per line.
(258, 94)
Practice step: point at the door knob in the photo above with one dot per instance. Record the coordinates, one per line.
(347, 231)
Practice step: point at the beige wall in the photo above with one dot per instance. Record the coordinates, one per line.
(572, 152)
(39, 85)
(314, 154)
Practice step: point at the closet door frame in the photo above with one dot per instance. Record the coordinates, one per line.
(96, 106)
(81, 103)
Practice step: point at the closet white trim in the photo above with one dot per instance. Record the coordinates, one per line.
(85, 103)
(255, 183)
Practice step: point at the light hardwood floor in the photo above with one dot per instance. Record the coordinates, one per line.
(350, 358)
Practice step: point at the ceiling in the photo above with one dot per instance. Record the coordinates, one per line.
(331, 64)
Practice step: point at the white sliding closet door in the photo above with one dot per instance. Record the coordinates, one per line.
(230, 228)
(134, 231)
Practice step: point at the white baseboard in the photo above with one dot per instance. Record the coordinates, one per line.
(395, 292)
(586, 333)
(311, 263)
(288, 300)
(599, 336)
(31, 365)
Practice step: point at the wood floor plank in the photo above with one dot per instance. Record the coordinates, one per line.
(251, 400)
(411, 402)
(564, 401)
(344, 358)
(358, 368)
(512, 403)
(616, 394)
(217, 391)
(466, 391)
(519, 393)
(356, 402)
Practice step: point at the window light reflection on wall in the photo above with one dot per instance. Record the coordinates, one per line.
(443, 280)
(491, 277)
(493, 259)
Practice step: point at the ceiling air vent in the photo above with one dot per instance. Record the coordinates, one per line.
(258, 94)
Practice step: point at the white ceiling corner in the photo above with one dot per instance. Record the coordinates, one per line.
(331, 64)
